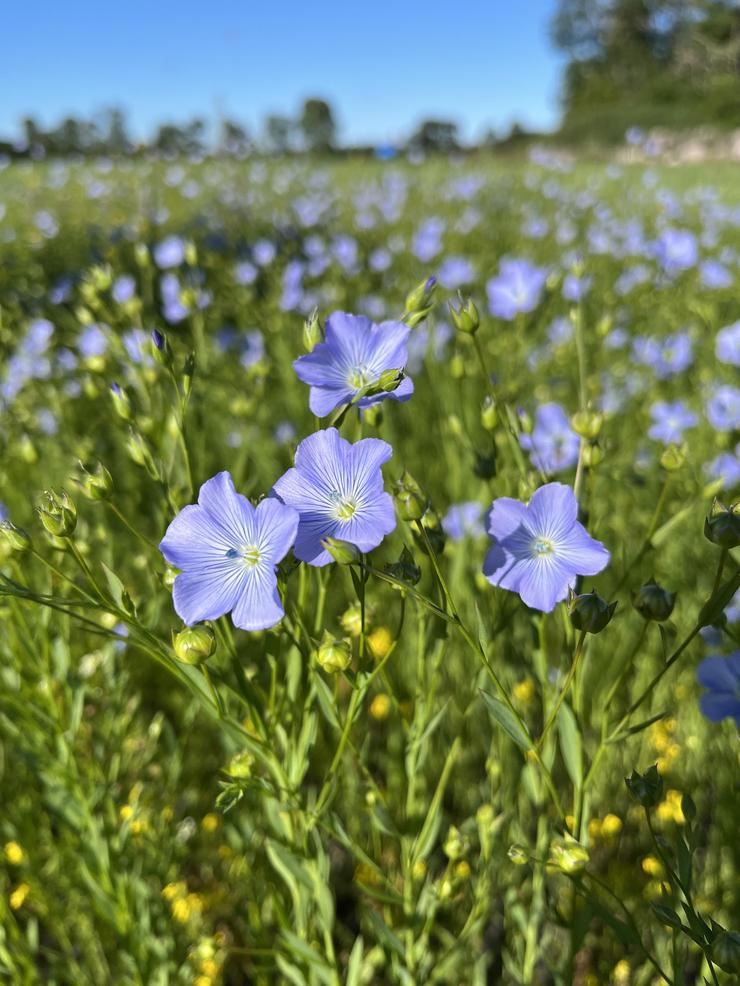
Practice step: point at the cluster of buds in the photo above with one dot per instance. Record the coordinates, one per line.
(420, 302)
(722, 526)
(653, 602)
(58, 513)
(587, 425)
(589, 612)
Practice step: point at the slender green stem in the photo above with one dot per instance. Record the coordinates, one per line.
(652, 526)
(142, 537)
(565, 689)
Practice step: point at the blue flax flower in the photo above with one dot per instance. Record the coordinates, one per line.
(723, 408)
(539, 548)
(671, 419)
(727, 344)
(227, 551)
(517, 288)
(721, 677)
(337, 488)
(355, 354)
(553, 445)
(463, 520)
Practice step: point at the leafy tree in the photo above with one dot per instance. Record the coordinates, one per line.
(279, 131)
(317, 125)
(436, 136)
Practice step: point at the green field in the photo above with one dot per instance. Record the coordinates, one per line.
(450, 807)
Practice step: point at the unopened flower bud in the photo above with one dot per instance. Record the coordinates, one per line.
(653, 602)
(517, 855)
(525, 421)
(646, 788)
(194, 645)
(589, 612)
(332, 654)
(568, 855)
(161, 349)
(390, 380)
(188, 373)
(587, 424)
(722, 526)
(343, 552)
(240, 765)
(191, 254)
(410, 499)
(121, 402)
(58, 513)
(673, 458)
(488, 414)
(16, 538)
(420, 302)
(95, 485)
(465, 318)
(312, 331)
(454, 845)
(141, 255)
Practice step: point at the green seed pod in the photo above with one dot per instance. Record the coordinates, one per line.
(332, 654)
(194, 645)
(653, 602)
(589, 612)
(587, 424)
(95, 485)
(722, 526)
(121, 402)
(646, 788)
(58, 513)
(390, 380)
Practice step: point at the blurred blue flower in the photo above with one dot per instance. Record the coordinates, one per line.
(355, 354)
(92, 341)
(227, 551)
(721, 677)
(670, 420)
(464, 520)
(124, 289)
(455, 272)
(427, 241)
(665, 357)
(723, 408)
(253, 348)
(539, 548)
(245, 272)
(337, 488)
(517, 288)
(727, 344)
(169, 252)
(676, 250)
(714, 275)
(576, 288)
(136, 343)
(552, 445)
(727, 468)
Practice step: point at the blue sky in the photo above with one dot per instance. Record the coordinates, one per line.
(384, 65)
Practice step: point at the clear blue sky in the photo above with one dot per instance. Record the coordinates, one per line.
(384, 64)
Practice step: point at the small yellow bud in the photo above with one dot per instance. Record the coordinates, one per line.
(14, 853)
(18, 896)
(380, 707)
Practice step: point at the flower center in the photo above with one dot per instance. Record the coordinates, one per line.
(542, 547)
(249, 555)
(359, 377)
(345, 507)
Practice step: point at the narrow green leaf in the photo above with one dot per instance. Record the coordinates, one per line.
(571, 744)
(507, 721)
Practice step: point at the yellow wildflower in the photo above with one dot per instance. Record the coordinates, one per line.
(14, 853)
(380, 707)
(18, 896)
